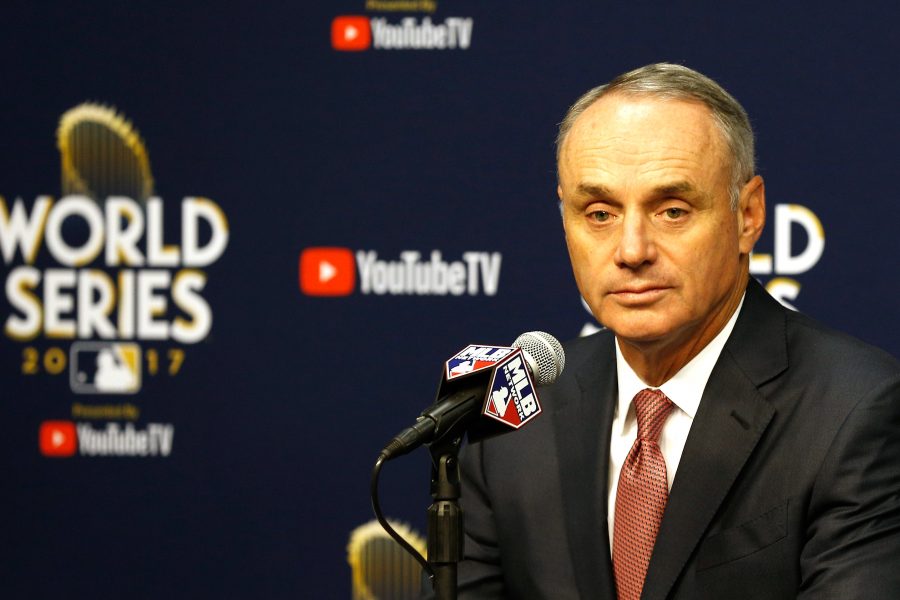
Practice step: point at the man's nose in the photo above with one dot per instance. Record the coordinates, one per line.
(636, 245)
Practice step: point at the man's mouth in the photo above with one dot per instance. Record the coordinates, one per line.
(634, 295)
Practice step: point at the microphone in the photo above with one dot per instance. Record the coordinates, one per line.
(494, 381)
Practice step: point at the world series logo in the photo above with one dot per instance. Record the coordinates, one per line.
(106, 283)
(96, 263)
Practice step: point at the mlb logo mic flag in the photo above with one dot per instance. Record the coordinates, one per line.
(473, 359)
(511, 397)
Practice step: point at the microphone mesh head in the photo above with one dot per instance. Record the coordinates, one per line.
(546, 353)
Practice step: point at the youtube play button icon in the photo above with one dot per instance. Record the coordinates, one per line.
(350, 33)
(57, 438)
(327, 271)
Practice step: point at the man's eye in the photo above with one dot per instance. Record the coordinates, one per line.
(600, 215)
(674, 213)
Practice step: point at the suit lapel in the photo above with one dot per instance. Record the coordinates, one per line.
(730, 421)
(583, 424)
(728, 424)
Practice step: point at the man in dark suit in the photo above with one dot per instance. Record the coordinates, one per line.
(709, 443)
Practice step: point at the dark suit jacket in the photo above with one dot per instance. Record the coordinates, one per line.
(789, 484)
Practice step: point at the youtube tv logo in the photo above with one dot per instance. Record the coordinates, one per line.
(58, 438)
(332, 271)
(326, 271)
(351, 33)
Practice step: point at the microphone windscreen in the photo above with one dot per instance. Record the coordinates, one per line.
(545, 354)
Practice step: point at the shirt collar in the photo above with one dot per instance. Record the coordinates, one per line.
(685, 388)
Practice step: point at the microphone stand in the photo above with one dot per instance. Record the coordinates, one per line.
(445, 518)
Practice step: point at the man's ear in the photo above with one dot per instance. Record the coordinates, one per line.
(559, 192)
(751, 213)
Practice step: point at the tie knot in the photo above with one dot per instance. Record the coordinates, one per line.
(652, 408)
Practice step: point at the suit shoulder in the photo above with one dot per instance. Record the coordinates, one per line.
(844, 364)
(835, 347)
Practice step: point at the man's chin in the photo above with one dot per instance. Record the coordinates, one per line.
(640, 332)
(643, 339)
(635, 321)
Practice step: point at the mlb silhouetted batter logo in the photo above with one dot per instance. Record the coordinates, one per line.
(105, 368)
(499, 401)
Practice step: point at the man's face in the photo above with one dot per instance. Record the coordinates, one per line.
(657, 252)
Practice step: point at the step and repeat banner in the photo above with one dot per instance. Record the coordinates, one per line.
(237, 244)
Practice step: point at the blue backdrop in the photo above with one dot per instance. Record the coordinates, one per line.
(278, 410)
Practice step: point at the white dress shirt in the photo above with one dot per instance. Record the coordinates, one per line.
(684, 390)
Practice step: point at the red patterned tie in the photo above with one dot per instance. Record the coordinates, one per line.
(641, 496)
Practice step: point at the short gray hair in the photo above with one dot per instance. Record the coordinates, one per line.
(677, 82)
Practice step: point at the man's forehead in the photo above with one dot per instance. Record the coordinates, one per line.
(618, 113)
(641, 123)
